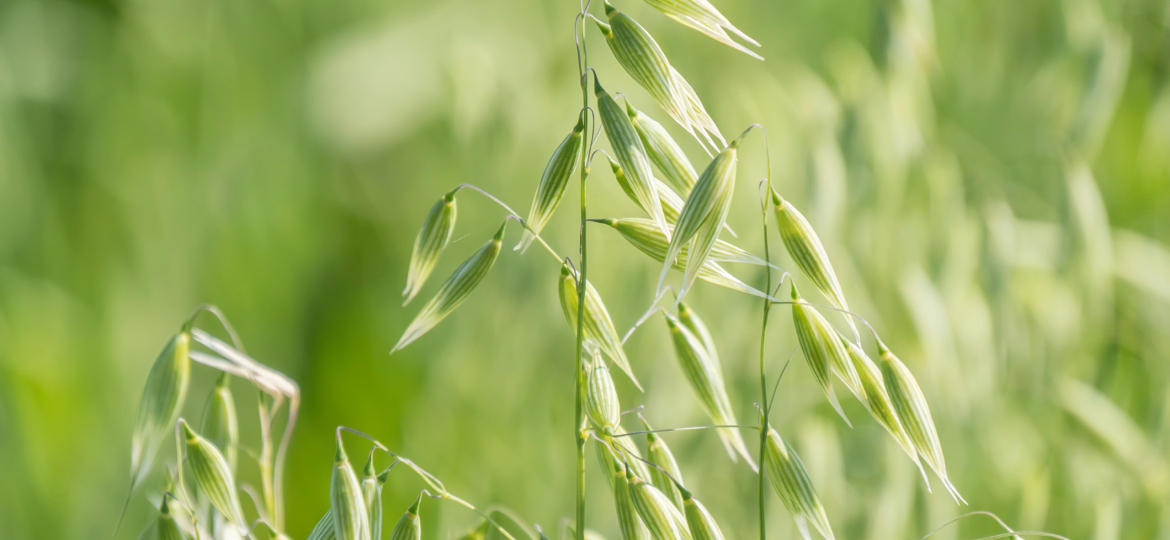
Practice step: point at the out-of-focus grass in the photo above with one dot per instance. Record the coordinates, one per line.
(992, 180)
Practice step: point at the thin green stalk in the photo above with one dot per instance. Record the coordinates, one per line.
(765, 403)
(579, 376)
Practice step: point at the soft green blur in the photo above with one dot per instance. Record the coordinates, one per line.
(991, 179)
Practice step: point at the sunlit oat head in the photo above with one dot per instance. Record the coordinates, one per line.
(552, 184)
(597, 325)
(790, 479)
(454, 291)
(432, 238)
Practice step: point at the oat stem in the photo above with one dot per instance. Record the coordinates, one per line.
(764, 402)
(582, 284)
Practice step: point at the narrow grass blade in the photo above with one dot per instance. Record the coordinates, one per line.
(790, 479)
(552, 184)
(806, 249)
(877, 401)
(910, 404)
(428, 245)
(454, 291)
(664, 153)
(221, 426)
(350, 521)
(162, 399)
(629, 152)
(706, 380)
(213, 477)
(822, 350)
(409, 527)
(702, 16)
(598, 326)
(710, 198)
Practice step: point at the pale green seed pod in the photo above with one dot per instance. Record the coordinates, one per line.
(664, 153)
(597, 325)
(629, 152)
(324, 528)
(162, 399)
(644, 61)
(806, 249)
(350, 521)
(706, 380)
(691, 321)
(824, 352)
(454, 291)
(552, 184)
(608, 460)
(787, 474)
(657, 511)
(408, 527)
(221, 426)
(671, 203)
(877, 400)
(371, 484)
(601, 399)
(166, 528)
(702, 217)
(428, 245)
(659, 454)
(910, 404)
(702, 16)
(213, 477)
(699, 521)
(629, 522)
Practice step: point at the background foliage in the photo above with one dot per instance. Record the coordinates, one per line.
(991, 178)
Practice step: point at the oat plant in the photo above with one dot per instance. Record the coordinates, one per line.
(683, 226)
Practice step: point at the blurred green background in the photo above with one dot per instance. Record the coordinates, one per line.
(991, 178)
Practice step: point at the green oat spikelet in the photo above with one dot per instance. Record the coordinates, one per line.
(806, 249)
(642, 234)
(221, 425)
(657, 511)
(659, 454)
(428, 245)
(608, 460)
(787, 474)
(629, 523)
(350, 521)
(213, 477)
(664, 153)
(552, 184)
(162, 399)
(823, 351)
(671, 203)
(601, 399)
(699, 521)
(629, 152)
(706, 380)
(455, 290)
(323, 530)
(409, 527)
(166, 528)
(598, 326)
(877, 401)
(702, 16)
(371, 484)
(644, 61)
(702, 218)
(910, 404)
